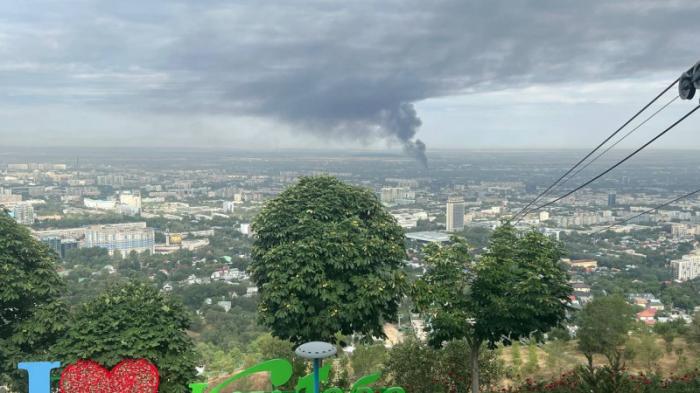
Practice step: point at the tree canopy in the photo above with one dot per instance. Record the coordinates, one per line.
(603, 327)
(516, 290)
(31, 317)
(133, 320)
(519, 289)
(327, 258)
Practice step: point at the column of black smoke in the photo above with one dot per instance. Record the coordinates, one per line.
(402, 122)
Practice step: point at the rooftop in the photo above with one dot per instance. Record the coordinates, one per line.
(429, 236)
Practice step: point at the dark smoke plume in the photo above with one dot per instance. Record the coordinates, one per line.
(403, 123)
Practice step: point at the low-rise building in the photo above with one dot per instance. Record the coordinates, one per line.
(586, 264)
(647, 316)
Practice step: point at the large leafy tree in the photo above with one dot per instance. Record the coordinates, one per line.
(31, 317)
(603, 327)
(516, 290)
(327, 258)
(133, 320)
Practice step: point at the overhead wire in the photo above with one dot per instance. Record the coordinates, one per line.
(652, 140)
(547, 190)
(616, 143)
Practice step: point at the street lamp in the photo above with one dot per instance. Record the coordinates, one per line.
(316, 351)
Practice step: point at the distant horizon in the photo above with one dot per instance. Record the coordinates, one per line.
(339, 149)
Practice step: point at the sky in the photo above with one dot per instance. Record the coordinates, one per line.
(412, 74)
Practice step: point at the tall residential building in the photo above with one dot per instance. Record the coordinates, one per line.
(455, 214)
(612, 199)
(121, 237)
(23, 213)
(686, 268)
(397, 195)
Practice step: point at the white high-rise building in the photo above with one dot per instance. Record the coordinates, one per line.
(455, 214)
(23, 213)
(686, 268)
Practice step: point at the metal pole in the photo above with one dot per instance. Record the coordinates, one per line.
(317, 376)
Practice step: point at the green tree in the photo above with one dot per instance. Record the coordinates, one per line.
(218, 362)
(419, 368)
(515, 290)
(31, 317)
(133, 321)
(367, 359)
(412, 365)
(327, 258)
(558, 357)
(669, 331)
(559, 333)
(454, 368)
(646, 350)
(603, 327)
(269, 347)
(694, 329)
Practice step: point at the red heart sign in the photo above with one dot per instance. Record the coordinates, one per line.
(128, 376)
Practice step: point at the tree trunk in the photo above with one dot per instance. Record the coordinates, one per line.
(475, 366)
(589, 358)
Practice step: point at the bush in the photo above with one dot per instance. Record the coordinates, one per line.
(419, 368)
(606, 379)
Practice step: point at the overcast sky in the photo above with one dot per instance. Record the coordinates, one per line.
(348, 74)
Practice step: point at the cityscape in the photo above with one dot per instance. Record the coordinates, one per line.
(186, 226)
(401, 196)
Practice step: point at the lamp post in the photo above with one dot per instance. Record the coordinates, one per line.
(316, 351)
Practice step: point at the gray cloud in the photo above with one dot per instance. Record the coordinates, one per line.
(341, 69)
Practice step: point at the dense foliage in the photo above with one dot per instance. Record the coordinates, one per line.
(31, 317)
(604, 324)
(327, 258)
(133, 321)
(519, 289)
(419, 368)
(516, 290)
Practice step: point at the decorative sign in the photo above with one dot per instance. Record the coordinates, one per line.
(129, 376)
(141, 376)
